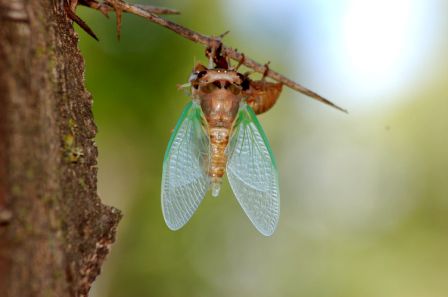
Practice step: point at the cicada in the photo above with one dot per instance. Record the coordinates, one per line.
(217, 133)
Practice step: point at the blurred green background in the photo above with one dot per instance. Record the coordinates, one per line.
(364, 206)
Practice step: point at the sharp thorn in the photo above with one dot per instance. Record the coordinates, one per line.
(118, 13)
(71, 14)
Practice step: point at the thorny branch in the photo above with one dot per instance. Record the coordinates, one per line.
(118, 6)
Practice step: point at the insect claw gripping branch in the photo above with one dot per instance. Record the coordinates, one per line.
(151, 14)
(266, 70)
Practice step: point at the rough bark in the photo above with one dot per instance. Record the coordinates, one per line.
(54, 231)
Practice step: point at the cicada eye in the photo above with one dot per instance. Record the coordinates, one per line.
(201, 74)
(195, 76)
(234, 89)
(208, 88)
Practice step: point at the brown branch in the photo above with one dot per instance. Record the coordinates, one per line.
(211, 41)
(105, 9)
(70, 6)
(156, 9)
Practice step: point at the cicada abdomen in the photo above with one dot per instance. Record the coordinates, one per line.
(219, 139)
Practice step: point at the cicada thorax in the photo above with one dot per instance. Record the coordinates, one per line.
(219, 94)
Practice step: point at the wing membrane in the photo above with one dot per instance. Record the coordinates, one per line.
(184, 180)
(252, 172)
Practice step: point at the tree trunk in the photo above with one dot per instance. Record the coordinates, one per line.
(54, 231)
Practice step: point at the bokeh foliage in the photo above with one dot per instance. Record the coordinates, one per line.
(364, 196)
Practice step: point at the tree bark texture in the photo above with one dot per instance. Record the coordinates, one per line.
(54, 231)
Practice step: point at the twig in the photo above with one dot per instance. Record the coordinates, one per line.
(211, 41)
(106, 8)
(156, 9)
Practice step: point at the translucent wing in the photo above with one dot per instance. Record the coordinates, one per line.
(184, 180)
(252, 172)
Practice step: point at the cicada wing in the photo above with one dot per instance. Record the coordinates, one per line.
(184, 180)
(252, 172)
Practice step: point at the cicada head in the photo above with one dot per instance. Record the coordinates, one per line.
(201, 78)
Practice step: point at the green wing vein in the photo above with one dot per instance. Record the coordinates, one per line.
(252, 172)
(184, 180)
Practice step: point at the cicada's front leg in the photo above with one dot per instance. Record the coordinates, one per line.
(262, 95)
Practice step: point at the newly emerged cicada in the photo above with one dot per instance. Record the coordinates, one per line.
(218, 132)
